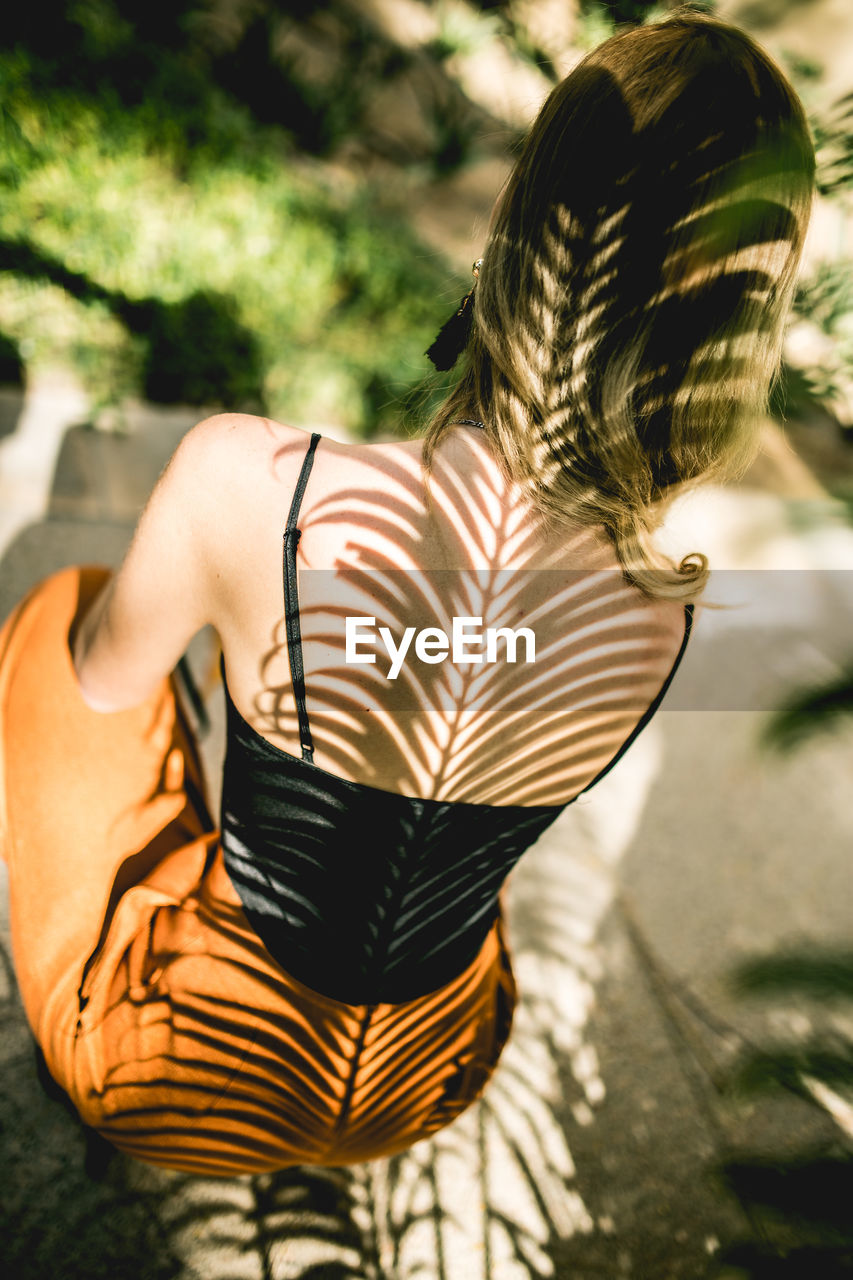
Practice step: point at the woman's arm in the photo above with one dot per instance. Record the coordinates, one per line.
(140, 624)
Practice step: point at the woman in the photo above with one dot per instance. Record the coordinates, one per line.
(458, 637)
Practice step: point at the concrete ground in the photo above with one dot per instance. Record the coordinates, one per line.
(597, 1149)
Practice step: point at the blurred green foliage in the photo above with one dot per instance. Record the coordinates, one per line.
(463, 30)
(833, 136)
(809, 711)
(160, 230)
(797, 1198)
(169, 226)
(599, 18)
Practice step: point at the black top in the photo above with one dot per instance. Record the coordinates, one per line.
(363, 894)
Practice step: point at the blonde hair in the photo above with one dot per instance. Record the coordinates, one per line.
(628, 316)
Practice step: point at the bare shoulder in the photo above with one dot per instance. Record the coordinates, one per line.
(234, 446)
(241, 453)
(232, 467)
(236, 474)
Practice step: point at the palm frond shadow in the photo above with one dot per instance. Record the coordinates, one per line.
(565, 704)
(484, 1197)
(305, 1223)
(193, 1227)
(487, 1196)
(801, 1198)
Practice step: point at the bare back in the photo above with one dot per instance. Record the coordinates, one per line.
(503, 732)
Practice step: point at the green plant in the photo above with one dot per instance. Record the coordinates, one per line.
(463, 28)
(799, 1199)
(220, 281)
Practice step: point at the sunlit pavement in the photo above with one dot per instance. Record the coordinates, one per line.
(593, 1152)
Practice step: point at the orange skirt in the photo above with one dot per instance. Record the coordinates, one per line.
(158, 1009)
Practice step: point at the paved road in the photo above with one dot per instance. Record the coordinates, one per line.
(593, 1153)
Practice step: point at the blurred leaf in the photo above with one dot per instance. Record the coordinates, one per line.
(595, 24)
(787, 1068)
(801, 66)
(833, 135)
(814, 1189)
(826, 975)
(826, 296)
(805, 1221)
(808, 712)
(462, 29)
(762, 1262)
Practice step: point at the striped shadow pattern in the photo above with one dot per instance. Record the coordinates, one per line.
(197, 1053)
(409, 907)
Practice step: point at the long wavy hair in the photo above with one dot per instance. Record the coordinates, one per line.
(629, 311)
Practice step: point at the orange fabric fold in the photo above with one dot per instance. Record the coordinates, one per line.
(157, 1007)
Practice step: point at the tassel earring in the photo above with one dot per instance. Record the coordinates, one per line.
(453, 336)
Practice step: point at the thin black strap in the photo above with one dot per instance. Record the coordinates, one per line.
(647, 715)
(291, 604)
